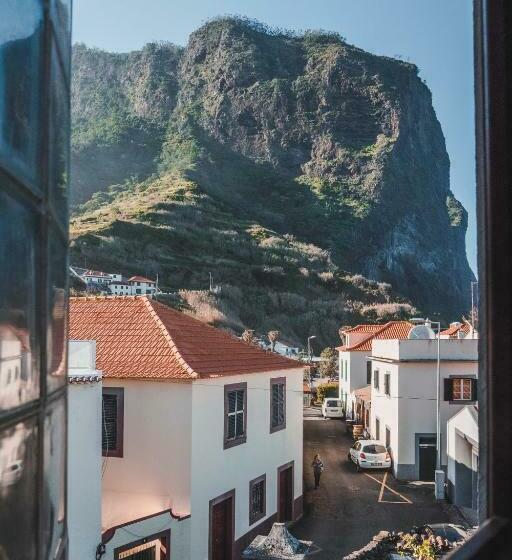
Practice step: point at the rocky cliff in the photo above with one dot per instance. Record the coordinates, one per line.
(302, 137)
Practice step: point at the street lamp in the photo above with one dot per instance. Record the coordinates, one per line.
(439, 475)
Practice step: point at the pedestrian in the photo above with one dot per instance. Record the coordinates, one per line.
(318, 468)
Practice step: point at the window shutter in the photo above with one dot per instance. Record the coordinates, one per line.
(448, 389)
(109, 432)
(474, 389)
(368, 373)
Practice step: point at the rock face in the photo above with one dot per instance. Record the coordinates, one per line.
(304, 134)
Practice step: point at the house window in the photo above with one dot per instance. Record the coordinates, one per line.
(377, 429)
(368, 373)
(376, 379)
(277, 404)
(387, 384)
(460, 389)
(257, 499)
(112, 422)
(235, 414)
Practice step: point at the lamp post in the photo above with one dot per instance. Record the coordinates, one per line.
(439, 474)
(310, 338)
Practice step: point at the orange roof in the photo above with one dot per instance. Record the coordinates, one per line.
(363, 329)
(391, 330)
(96, 273)
(140, 279)
(365, 394)
(137, 337)
(453, 330)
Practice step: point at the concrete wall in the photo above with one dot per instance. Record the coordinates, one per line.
(180, 536)
(356, 375)
(452, 349)
(462, 449)
(84, 454)
(157, 447)
(216, 471)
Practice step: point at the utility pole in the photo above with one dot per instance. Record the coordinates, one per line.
(211, 282)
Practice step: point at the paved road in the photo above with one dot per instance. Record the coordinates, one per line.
(350, 508)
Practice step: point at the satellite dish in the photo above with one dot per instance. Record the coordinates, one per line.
(421, 332)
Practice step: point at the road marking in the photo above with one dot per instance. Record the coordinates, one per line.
(384, 485)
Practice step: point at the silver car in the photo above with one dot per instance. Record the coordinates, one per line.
(369, 454)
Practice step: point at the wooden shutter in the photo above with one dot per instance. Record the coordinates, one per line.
(368, 373)
(112, 422)
(474, 389)
(277, 403)
(448, 389)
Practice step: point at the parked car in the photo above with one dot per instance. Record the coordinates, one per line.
(369, 454)
(332, 408)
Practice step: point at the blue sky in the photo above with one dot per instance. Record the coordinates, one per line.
(436, 35)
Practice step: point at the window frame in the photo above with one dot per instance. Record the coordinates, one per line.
(369, 365)
(376, 380)
(277, 381)
(230, 388)
(119, 392)
(256, 516)
(387, 384)
(463, 381)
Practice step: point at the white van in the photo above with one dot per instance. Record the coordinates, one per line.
(331, 408)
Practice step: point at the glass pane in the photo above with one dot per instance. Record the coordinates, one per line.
(231, 401)
(20, 44)
(231, 426)
(240, 400)
(59, 156)
(61, 15)
(54, 477)
(18, 466)
(239, 424)
(19, 379)
(56, 331)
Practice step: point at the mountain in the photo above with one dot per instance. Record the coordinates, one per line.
(309, 176)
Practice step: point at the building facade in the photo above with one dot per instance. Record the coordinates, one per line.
(34, 167)
(404, 397)
(188, 410)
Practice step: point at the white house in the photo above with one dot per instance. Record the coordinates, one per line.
(462, 449)
(354, 369)
(120, 288)
(141, 285)
(96, 277)
(200, 430)
(404, 396)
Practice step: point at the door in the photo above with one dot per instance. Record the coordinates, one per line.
(221, 537)
(427, 458)
(285, 493)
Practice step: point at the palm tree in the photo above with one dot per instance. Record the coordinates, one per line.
(273, 337)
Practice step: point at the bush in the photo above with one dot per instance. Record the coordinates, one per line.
(327, 390)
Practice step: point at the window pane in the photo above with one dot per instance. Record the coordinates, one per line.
(20, 45)
(19, 380)
(240, 400)
(231, 426)
(54, 477)
(18, 465)
(239, 424)
(109, 432)
(59, 157)
(232, 401)
(56, 331)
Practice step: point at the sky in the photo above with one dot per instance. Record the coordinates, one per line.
(436, 35)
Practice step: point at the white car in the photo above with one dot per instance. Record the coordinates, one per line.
(331, 408)
(369, 454)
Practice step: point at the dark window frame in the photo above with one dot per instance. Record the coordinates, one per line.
(229, 388)
(376, 380)
(256, 516)
(387, 384)
(277, 381)
(119, 451)
(369, 372)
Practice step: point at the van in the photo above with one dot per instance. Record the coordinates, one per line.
(332, 408)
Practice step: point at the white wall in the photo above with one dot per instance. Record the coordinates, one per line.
(386, 407)
(157, 449)
(464, 423)
(356, 375)
(84, 454)
(216, 471)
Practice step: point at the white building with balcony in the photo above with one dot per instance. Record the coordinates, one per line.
(404, 397)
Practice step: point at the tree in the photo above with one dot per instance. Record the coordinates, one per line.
(328, 362)
(273, 337)
(248, 336)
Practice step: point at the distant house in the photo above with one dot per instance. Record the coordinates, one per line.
(354, 368)
(120, 288)
(96, 277)
(462, 450)
(142, 286)
(308, 395)
(404, 397)
(459, 330)
(201, 432)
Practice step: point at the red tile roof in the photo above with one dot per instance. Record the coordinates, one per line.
(453, 330)
(391, 330)
(365, 393)
(140, 279)
(140, 338)
(96, 273)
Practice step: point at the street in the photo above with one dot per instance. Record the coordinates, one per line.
(350, 508)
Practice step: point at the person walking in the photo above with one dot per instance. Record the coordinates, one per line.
(318, 468)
